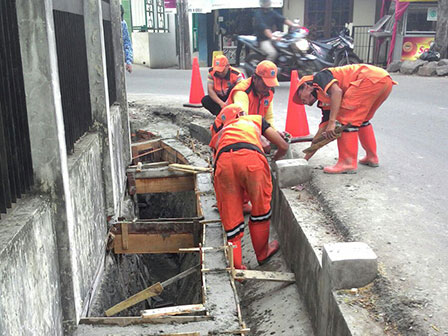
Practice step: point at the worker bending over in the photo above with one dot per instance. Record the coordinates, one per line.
(221, 79)
(348, 94)
(241, 167)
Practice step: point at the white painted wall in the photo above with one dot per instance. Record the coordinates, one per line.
(364, 12)
(140, 44)
(162, 47)
(294, 9)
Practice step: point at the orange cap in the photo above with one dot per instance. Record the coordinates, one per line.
(229, 112)
(268, 71)
(220, 63)
(296, 99)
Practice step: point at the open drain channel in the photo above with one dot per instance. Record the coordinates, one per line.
(146, 250)
(156, 273)
(170, 267)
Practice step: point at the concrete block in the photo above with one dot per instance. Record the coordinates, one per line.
(411, 67)
(442, 70)
(349, 265)
(428, 69)
(292, 172)
(201, 131)
(394, 66)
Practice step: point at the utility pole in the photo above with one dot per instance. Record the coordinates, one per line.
(183, 30)
(441, 39)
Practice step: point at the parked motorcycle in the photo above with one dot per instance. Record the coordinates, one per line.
(335, 51)
(292, 50)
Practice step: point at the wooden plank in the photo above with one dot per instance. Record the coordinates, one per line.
(190, 167)
(165, 184)
(154, 243)
(131, 320)
(173, 155)
(151, 291)
(124, 236)
(176, 310)
(262, 275)
(145, 145)
(132, 168)
(144, 153)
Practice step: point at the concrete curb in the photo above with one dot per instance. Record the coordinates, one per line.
(313, 277)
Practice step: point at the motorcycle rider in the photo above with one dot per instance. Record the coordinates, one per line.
(266, 21)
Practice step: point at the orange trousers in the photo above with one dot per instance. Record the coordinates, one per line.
(360, 102)
(237, 173)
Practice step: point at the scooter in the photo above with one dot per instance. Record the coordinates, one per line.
(292, 50)
(336, 51)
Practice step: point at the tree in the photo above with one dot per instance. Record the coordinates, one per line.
(441, 39)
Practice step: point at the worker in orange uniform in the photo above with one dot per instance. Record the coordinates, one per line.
(348, 94)
(241, 167)
(255, 94)
(221, 80)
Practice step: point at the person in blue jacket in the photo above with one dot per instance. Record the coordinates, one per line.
(127, 45)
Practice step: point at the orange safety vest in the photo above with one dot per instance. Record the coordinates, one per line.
(241, 133)
(257, 105)
(346, 77)
(223, 85)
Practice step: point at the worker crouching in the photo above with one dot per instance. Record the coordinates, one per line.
(241, 167)
(350, 95)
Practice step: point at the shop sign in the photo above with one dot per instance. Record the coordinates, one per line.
(228, 4)
(432, 14)
(170, 6)
(206, 6)
(414, 46)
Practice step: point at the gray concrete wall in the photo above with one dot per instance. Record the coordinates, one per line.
(89, 232)
(118, 153)
(162, 47)
(30, 301)
(314, 286)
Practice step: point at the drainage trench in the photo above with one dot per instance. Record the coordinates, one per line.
(145, 249)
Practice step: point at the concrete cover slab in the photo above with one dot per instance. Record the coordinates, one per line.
(292, 172)
(349, 265)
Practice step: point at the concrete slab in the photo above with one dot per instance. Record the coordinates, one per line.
(349, 265)
(292, 172)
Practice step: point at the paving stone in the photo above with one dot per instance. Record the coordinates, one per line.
(292, 172)
(349, 265)
(411, 67)
(394, 66)
(442, 70)
(428, 69)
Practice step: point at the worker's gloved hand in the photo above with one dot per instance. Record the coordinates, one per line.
(285, 135)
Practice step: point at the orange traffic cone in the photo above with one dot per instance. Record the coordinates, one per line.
(196, 88)
(296, 121)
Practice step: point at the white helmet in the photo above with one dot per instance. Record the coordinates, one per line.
(265, 3)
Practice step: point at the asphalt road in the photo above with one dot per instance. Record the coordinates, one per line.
(399, 209)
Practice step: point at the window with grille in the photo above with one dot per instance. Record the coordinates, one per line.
(326, 18)
(149, 15)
